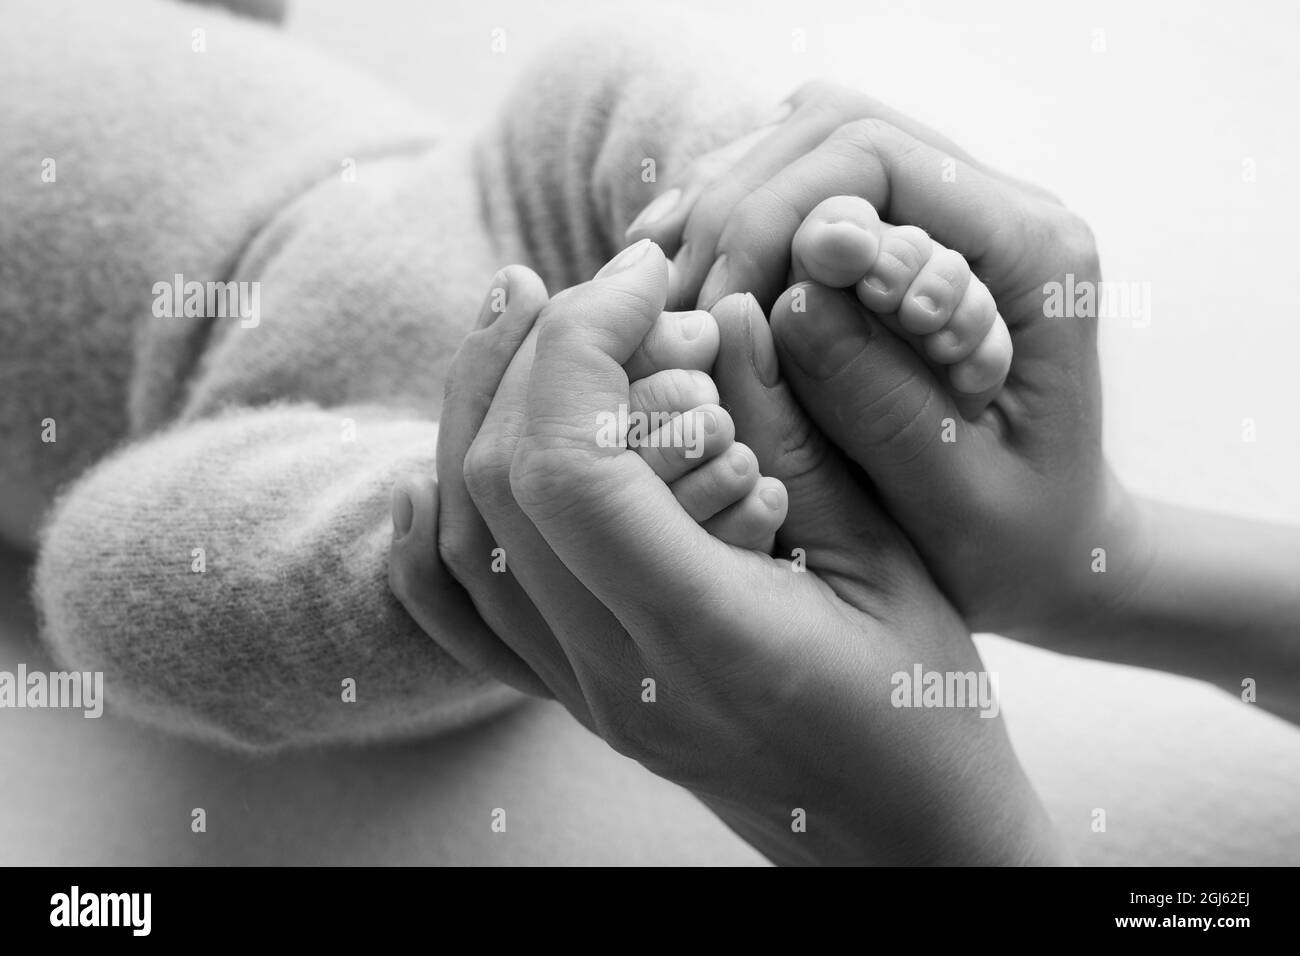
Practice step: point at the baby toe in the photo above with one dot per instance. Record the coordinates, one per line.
(966, 328)
(935, 293)
(986, 368)
(674, 390)
(717, 484)
(837, 243)
(904, 250)
(673, 445)
(686, 340)
(753, 522)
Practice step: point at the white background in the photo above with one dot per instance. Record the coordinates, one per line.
(1147, 140)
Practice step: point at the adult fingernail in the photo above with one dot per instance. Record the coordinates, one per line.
(403, 512)
(825, 340)
(659, 207)
(762, 353)
(495, 303)
(691, 325)
(625, 259)
(715, 284)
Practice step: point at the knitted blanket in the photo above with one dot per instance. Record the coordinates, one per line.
(233, 275)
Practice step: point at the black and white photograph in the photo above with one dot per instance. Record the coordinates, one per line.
(718, 434)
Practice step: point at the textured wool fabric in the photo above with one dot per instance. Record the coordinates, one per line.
(215, 498)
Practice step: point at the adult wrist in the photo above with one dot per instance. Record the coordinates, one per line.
(1105, 570)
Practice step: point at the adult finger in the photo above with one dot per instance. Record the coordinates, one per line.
(1006, 234)
(421, 582)
(464, 546)
(834, 525)
(873, 396)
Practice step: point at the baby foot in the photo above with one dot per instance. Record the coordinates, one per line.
(689, 442)
(676, 425)
(920, 289)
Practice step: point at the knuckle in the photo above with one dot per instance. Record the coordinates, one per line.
(1066, 241)
(705, 169)
(900, 421)
(814, 91)
(860, 129)
(833, 99)
(546, 478)
(709, 215)
(1081, 245)
(802, 452)
(864, 135)
(487, 466)
(765, 214)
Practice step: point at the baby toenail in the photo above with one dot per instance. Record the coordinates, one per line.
(691, 324)
(771, 497)
(739, 462)
(926, 304)
(876, 285)
(625, 259)
(946, 340)
(659, 207)
(709, 421)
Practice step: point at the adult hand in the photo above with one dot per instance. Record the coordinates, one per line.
(1009, 510)
(732, 213)
(772, 688)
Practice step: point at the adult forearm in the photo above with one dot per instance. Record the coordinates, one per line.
(1203, 595)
